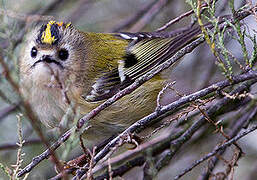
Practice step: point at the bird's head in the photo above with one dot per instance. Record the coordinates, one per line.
(54, 47)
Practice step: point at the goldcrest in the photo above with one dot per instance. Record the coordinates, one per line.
(58, 59)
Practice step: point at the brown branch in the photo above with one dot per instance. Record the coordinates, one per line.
(148, 16)
(144, 122)
(28, 110)
(217, 149)
(124, 160)
(213, 111)
(133, 18)
(129, 89)
(52, 6)
(161, 143)
(6, 111)
(25, 17)
(175, 20)
(237, 126)
(4, 97)
(140, 81)
(9, 146)
(81, 8)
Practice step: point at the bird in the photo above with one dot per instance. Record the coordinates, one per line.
(63, 68)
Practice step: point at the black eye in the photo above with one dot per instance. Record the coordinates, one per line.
(63, 54)
(33, 52)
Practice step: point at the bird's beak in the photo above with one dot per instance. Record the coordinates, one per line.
(47, 59)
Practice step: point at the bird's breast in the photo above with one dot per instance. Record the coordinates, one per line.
(45, 98)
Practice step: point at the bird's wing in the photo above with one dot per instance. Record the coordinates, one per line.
(104, 87)
(144, 52)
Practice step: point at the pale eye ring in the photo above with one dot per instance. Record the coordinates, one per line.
(33, 52)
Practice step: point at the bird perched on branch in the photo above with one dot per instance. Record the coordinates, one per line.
(62, 67)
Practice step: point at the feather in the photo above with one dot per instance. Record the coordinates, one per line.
(144, 52)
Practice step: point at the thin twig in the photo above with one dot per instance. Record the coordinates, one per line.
(237, 126)
(136, 84)
(80, 9)
(4, 112)
(159, 144)
(9, 146)
(134, 17)
(149, 15)
(175, 20)
(28, 110)
(212, 111)
(217, 149)
(158, 101)
(144, 122)
(36, 160)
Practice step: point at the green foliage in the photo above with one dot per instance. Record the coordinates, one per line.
(100, 18)
(216, 38)
(253, 57)
(6, 170)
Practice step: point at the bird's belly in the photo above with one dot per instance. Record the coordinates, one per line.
(124, 112)
(47, 106)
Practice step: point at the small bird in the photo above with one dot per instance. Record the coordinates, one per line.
(61, 67)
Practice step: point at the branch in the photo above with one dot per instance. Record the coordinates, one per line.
(149, 15)
(52, 6)
(140, 81)
(27, 110)
(146, 121)
(214, 111)
(113, 99)
(159, 144)
(36, 160)
(133, 18)
(4, 112)
(177, 19)
(128, 90)
(80, 9)
(217, 149)
(237, 126)
(9, 146)
(124, 160)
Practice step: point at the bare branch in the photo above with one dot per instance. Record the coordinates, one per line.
(175, 20)
(143, 123)
(4, 112)
(133, 18)
(174, 140)
(217, 149)
(149, 15)
(237, 126)
(9, 146)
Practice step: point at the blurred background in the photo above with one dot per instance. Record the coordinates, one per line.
(196, 71)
